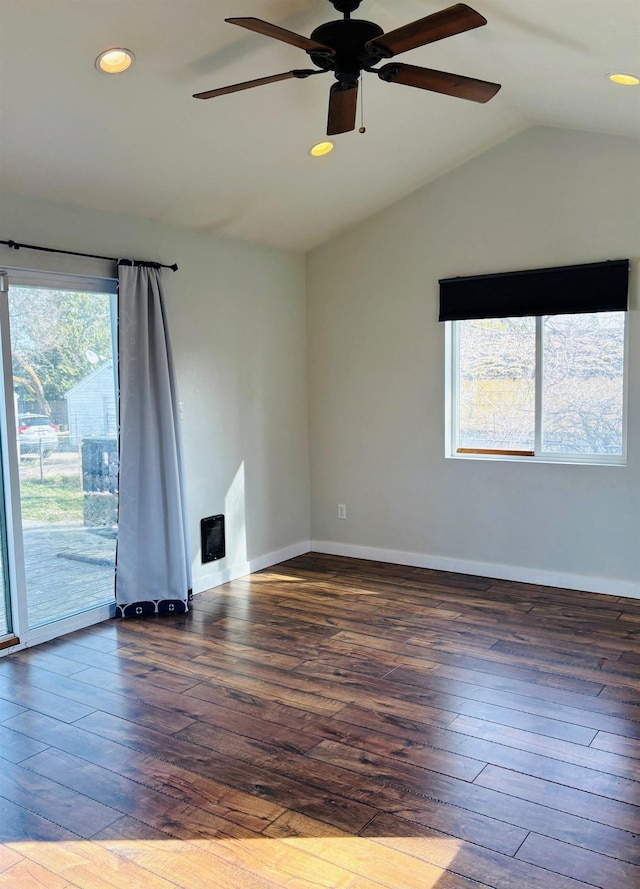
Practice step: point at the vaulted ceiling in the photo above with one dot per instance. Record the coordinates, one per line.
(139, 144)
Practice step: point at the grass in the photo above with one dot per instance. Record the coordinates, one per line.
(58, 498)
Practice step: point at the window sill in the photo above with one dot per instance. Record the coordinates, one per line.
(493, 456)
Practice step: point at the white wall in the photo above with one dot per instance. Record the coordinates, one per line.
(236, 314)
(376, 370)
(376, 366)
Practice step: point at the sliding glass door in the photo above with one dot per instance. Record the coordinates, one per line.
(62, 434)
(6, 621)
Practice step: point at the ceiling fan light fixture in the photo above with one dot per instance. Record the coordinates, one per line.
(624, 79)
(320, 149)
(115, 60)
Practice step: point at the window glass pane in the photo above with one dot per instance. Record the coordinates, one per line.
(497, 383)
(582, 386)
(65, 401)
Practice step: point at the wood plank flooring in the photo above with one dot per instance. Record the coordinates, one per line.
(332, 723)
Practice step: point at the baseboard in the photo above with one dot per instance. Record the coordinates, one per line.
(223, 574)
(585, 583)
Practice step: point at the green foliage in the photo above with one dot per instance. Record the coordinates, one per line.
(51, 333)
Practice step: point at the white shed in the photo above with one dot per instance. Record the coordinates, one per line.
(91, 405)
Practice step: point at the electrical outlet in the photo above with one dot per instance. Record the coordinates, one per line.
(342, 511)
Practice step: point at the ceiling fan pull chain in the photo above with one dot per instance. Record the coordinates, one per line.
(362, 129)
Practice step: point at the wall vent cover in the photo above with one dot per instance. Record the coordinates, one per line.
(212, 538)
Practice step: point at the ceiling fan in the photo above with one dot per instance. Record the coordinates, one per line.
(350, 46)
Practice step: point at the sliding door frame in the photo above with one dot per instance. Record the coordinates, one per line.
(14, 541)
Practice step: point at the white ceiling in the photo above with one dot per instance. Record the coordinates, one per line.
(139, 144)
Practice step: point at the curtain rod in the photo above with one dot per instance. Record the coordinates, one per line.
(16, 246)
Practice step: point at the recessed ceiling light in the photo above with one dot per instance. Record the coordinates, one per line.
(624, 79)
(320, 149)
(114, 61)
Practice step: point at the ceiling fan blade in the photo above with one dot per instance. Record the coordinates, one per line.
(260, 81)
(439, 82)
(343, 106)
(269, 30)
(453, 20)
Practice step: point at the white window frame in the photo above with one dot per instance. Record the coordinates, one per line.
(11, 276)
(452, 382)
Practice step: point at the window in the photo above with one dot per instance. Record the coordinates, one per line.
(550, 387)
(536, 364)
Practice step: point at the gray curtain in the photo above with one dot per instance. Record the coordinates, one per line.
(153, 567)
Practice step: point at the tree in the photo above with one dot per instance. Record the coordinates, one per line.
(52, 332)
(581, 383)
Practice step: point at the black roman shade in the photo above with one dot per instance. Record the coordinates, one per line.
(572, 289)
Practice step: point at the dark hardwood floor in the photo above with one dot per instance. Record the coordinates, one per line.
(331, 723)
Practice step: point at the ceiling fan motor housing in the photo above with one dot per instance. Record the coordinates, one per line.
(347, 38)
(346, 6)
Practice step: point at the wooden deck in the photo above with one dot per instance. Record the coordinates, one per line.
(331, 723)
(68, 569)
